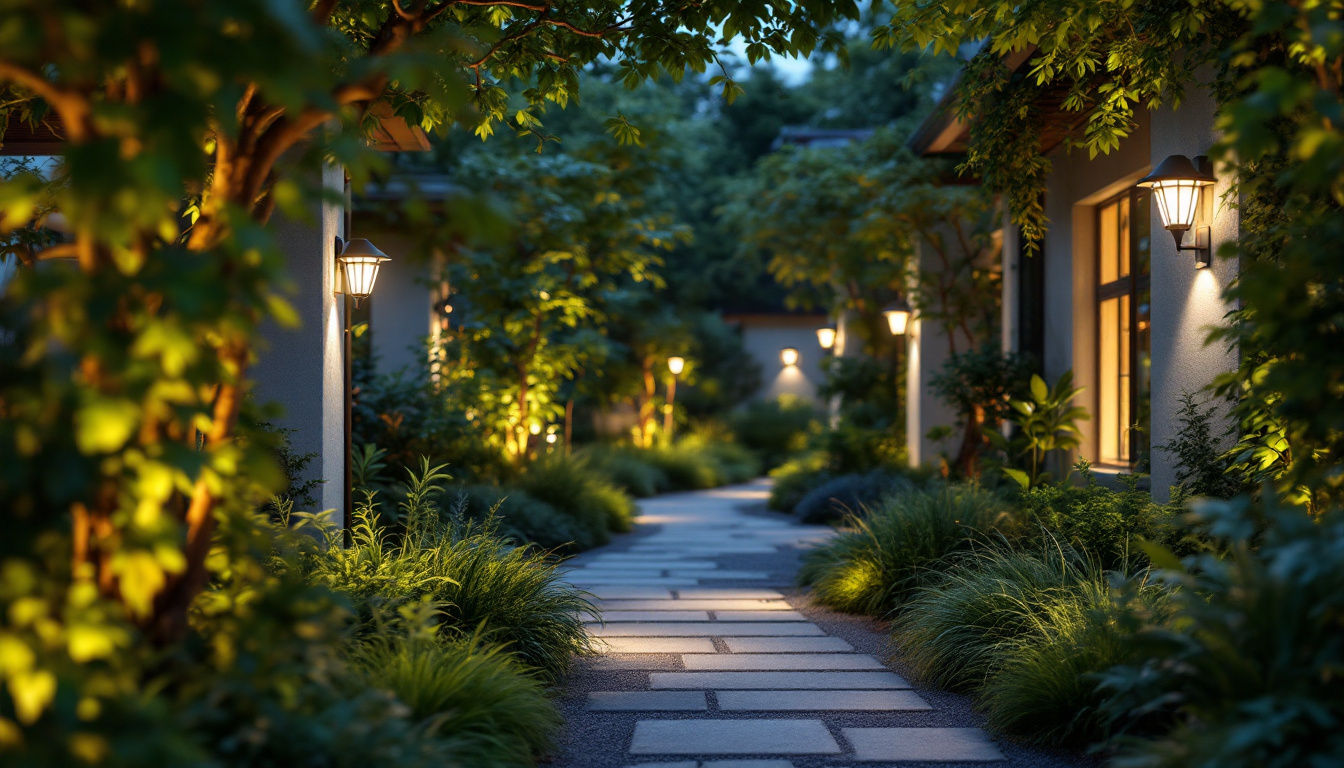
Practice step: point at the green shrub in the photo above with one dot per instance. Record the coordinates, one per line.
(1249, 673)
(686, 467)
(773, 429)
(519, 515)
(1103, 523)
(795, 478)
(849, 494)
(885, 552)
(486, 706)
(575, 488)
(628, 467)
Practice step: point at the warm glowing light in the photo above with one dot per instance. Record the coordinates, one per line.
(898, 316)
(535, 428)
(826, 337)
(676, 365)
(788, 356)
(550, 438)
(1176, 183)
(360, 261)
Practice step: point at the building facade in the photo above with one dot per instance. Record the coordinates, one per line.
(1108, 296)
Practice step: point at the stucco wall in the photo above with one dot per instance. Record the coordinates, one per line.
(302, 369)
(765, 335)
(1187, 301)
(400, 307)
(1076, 185)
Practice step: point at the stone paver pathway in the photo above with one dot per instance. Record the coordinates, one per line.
(718, 670)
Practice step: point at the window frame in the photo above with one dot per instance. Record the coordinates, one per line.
(1133, 285)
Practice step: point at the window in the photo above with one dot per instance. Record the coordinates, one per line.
(1123, 351)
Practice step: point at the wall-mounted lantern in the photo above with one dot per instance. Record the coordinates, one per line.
(898, 316)
(826, 337)
(1177, 184)
(788, 356)
(359, 261)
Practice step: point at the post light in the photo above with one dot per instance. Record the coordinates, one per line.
(359, 260)
(788, 356)
(675, 365)
(898, 316)
(826, 337)
(1177, 184)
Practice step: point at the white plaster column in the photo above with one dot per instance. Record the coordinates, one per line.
(302, 369)
(1187, 302)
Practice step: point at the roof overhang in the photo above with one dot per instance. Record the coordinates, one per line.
(944, 132)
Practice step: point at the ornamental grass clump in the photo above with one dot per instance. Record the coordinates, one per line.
(512, 595)
(1027, 633)
(486, 708)
(1047, 689)
(883, 554)
(960, 627)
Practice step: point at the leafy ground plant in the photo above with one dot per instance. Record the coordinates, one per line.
(886, 552)
(1249, 671)
(577, 489)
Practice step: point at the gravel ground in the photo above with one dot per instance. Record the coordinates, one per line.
(602, 739)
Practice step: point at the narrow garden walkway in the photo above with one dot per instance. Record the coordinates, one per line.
(711, 660)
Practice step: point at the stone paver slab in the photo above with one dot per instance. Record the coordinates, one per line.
(610, 616)
(647, 701)
(697, 605)
(616, 592)
(728, 593)
(717, 764)
(759, 616)
(787, 645)
(821, 701)
(655, 645)
(697, 662)
(705, 629)
(781, 681)
(922, 744)
(591, 580)
(646, 564)
(697, 573)
(732, 737)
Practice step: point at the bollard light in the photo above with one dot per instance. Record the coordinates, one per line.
(788, 356)
(359, 261)
(826, 337)
(898, 316)
(1177, 184)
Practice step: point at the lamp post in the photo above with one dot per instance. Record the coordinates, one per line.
(676, 365)
(1177, 184)
(358, 261)
(826, 337)
(898, 316)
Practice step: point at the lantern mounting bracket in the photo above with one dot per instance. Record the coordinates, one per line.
(1203, 246)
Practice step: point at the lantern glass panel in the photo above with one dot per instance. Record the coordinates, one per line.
(826, 337)
(897, 319)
